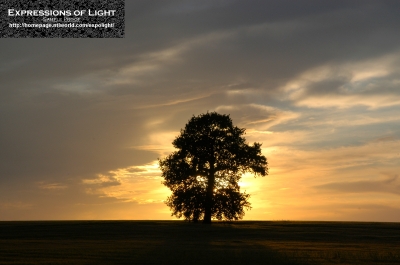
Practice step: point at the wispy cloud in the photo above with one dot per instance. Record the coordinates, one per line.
(134, 184)
(389, 185)
(52, 186)
(369, 82)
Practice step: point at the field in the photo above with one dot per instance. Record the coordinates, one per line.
(178, 242)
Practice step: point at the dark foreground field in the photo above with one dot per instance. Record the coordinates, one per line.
(178, 242)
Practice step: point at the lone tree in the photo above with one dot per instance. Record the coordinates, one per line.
(203, 174)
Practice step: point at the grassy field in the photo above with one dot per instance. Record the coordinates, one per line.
(178, 242)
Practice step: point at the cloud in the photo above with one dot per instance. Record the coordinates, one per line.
(52, 186)
(256, 116)
(103, 181)
(15, 205)
(390, 185)
(133, 184)
(370, 82)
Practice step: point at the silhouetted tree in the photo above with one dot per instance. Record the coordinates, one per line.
(203, 174)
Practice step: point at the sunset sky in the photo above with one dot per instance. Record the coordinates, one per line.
(83, 121)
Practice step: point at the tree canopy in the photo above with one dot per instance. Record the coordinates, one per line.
(203, 174)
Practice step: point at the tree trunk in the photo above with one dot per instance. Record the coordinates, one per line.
(209, 197)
